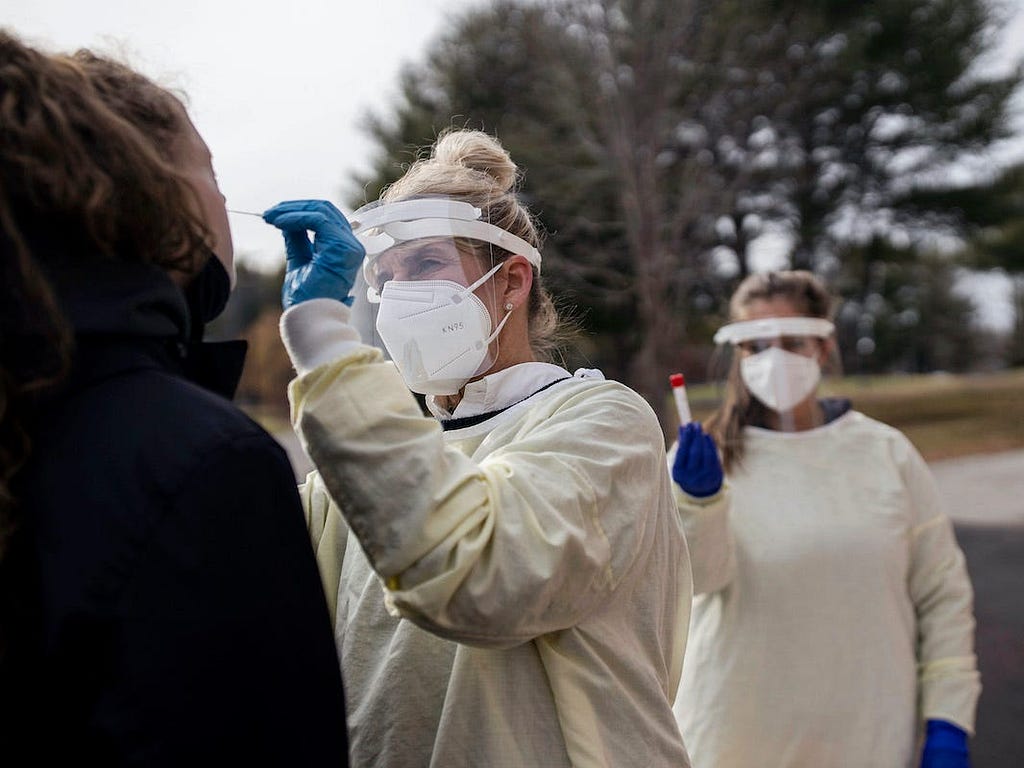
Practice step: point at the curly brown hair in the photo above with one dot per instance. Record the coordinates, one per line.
(86, 174)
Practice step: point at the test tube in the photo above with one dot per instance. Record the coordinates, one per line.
(678, 383)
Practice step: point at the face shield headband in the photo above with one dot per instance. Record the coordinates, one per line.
(381, 226)
(774, 327)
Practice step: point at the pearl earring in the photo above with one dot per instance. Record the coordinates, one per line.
(509, 307)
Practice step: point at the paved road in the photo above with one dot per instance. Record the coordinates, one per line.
(983, 490)
(985, 497)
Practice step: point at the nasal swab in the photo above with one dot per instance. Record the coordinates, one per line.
(679, 393)
(247, 213)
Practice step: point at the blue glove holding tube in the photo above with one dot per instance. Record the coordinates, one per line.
(945, 746)
(697, 468)
(325, 268)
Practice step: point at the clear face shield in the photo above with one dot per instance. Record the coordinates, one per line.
(429, 285)
(778, 359)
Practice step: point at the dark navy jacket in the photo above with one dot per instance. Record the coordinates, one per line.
(169, 607)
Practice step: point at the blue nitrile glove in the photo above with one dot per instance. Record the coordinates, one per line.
(697, 468)
(945, 746)
(325, 268)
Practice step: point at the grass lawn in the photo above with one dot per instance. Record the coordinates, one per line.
(944, 415)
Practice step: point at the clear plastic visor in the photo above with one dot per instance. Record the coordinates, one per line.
(800, 345)
(430, 238)
(773, 331)
(443, 306)
(428, 258)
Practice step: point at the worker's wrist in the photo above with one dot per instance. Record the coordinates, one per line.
(316, 332)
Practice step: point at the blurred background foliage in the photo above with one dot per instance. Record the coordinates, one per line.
(671, 148)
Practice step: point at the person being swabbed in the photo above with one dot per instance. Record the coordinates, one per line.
(833, 623)
(510, 578)
(159, 601)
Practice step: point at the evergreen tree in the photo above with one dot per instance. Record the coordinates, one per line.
(664, 141)
(998, 243)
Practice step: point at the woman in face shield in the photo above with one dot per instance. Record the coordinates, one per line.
(510, 579)
(833, 623)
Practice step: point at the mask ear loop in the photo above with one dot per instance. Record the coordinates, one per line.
(483, 278)
(501, 324)
(497, 330)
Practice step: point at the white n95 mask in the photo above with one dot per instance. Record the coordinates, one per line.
(437, 332)
(780, 379)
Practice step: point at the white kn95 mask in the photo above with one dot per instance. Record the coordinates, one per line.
(437, 332)
(780, 379)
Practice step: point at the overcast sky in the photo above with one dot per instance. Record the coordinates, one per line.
(278, 89)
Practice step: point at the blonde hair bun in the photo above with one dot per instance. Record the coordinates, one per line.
(468, 165)
(479, 152)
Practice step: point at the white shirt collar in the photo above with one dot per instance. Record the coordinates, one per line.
(500, 389)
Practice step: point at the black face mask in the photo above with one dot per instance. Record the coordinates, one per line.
(208, 292)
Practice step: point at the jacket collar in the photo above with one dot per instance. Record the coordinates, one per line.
(130, 316)
(117, 299)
